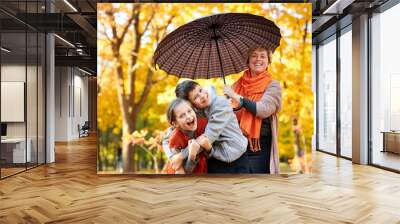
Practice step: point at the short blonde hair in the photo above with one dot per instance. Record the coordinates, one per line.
(259, 48)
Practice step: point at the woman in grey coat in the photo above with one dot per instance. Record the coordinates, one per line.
(257, 101)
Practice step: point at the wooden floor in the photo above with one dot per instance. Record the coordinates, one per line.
(70, 191)
(10, 171)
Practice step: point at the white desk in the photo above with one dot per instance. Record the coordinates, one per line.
(18, 150)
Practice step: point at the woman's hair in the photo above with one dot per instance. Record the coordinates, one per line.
(261, 48)
(171, 109)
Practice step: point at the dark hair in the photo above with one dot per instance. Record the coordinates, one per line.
(183, 89)
(171, 109)
(262, 48)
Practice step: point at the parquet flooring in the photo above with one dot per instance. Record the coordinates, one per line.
(70, 191)
(10, 171)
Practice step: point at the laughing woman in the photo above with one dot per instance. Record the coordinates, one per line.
(257, 98)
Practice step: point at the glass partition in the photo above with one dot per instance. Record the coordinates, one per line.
(385, 88)
(31, 98)
(327, 96)
(22, 88)
(14, 152)
(346, 93)
(41, 157)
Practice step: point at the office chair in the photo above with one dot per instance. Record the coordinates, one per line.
(84, 130)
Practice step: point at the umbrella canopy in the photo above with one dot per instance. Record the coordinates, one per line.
(215, 46)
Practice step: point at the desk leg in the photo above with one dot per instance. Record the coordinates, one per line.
(384, 142)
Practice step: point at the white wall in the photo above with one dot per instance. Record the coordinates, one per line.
(71, 102)
(15, 73)
(61, 103)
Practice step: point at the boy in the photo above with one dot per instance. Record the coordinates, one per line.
(222, 140)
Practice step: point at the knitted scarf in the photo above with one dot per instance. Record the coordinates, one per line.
(253, 89)
(179, 140)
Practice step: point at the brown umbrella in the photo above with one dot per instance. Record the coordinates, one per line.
(215, 46)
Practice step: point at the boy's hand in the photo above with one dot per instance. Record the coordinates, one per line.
(177, 161)
(204, 142)
(194, 149)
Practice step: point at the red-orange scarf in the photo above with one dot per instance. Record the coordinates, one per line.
(253, 89)
(178, 140)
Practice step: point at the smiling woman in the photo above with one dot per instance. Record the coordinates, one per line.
(258, 100)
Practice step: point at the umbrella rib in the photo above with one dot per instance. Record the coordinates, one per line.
(271, 32)
(170, 48)
(198, 59)
(191, 53)
(237, 47)
(244, 43)
(230, 56)
(271, 27)
(248, 38)
(268, 30)
(169, 66)
(254, 23)
(208, 65)
(177, 61)
(167, 45)
(177, 35)
(263, 22)
(262, 37)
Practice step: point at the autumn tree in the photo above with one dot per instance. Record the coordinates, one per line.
(126, 66)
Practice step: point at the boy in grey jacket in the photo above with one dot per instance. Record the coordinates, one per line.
(222, 139)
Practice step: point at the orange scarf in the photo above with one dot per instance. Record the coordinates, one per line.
(253, 89)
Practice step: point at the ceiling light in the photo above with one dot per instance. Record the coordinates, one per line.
(331, 7)
(70, 5)
(65, 41)
(337, 7)
(5, 49)
(84, 71)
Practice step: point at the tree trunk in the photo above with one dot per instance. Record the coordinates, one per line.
(297, 138)
(155, 163)
(128, 149)
(126, 96)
